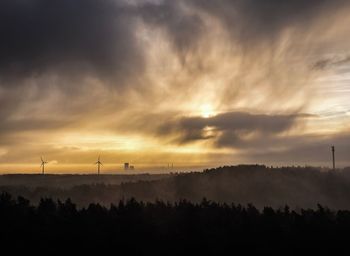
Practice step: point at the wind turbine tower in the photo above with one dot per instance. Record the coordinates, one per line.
(333, 157)
(98, 165)
(43, 165)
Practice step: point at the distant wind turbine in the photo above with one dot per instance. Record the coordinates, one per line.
(98, 165)
(43, 165)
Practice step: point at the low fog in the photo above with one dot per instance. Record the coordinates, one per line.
(297, 187)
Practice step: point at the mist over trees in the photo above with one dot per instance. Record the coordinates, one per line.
(298, 187)
(231, 209)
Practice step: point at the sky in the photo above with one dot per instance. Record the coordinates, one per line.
(195, 83)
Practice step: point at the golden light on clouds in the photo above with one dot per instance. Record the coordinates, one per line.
(189, 82)
(207, 110)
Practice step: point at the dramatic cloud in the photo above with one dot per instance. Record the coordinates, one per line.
(67, 37)
(251, 21)
(227, 77)
(101, 37)
(230, 129)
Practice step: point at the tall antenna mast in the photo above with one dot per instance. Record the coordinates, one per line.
(333, 157)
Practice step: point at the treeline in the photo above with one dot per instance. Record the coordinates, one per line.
(54, 227)
(70, 180)
(302, 187)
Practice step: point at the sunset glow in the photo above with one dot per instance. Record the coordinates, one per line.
(158, 82)
(207, 111)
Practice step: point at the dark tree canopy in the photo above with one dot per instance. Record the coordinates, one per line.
(162, 228)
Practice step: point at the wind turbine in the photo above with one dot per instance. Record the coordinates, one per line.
(98, 165)
(43, 165)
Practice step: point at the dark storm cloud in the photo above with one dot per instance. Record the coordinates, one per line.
(66, 36)
(84, 37)
(98, 37)
(229, 129)
(183, 28)
(261, 138)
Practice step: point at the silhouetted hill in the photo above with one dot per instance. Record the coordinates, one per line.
(260, 185)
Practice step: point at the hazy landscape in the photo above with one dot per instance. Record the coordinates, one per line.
(174, 127)
(297, 187)
(259, 209)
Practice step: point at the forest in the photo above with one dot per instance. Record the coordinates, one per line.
(298, 187)
(139, 228)
(227, 210)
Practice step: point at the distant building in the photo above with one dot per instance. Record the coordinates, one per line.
(126, 166)
(132, 167)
